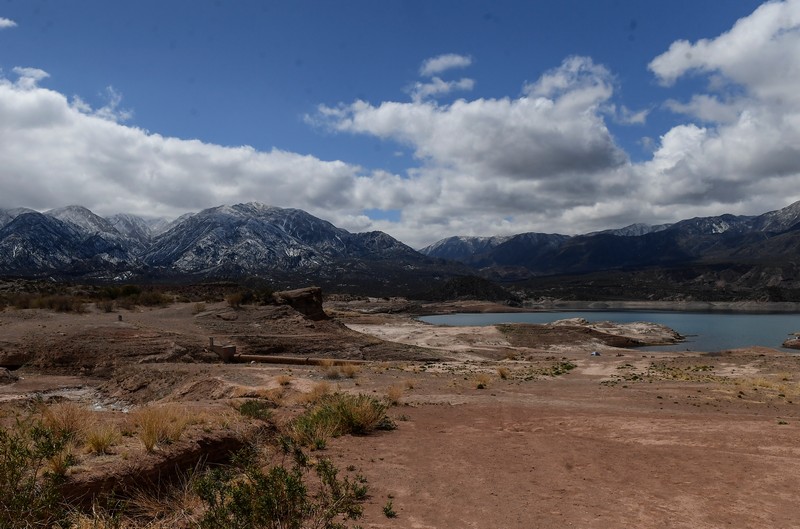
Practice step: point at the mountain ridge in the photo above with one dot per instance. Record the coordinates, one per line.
(290, 245)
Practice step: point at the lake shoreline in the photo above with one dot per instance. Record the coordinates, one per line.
(742, 307)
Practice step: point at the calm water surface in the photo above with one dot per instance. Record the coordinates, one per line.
(704, 331)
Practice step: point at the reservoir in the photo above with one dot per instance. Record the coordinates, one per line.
(704, 331)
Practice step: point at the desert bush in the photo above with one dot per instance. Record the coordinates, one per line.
(30, 492)
(281, 497)
(198, 308)
(153, 298)
(503, 373)
(127, 303)
(159, 425)
(21, 301)
(63, 303)
(106, 305)
(235, 300)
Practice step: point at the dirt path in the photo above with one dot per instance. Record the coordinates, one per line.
(593, 458)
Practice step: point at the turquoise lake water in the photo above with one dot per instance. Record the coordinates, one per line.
(703, 331)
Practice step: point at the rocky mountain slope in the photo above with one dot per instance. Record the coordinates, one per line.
(237, 241)
(773, 236)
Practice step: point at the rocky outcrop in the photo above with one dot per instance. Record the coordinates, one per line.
(793, 342)
(6, 376)
(307, 301)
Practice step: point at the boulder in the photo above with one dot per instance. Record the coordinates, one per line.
(307, 301)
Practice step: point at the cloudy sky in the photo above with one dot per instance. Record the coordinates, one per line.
(421, 119)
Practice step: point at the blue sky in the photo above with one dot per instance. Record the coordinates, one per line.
(534, 116)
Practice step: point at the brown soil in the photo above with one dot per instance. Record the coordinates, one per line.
(630, 438)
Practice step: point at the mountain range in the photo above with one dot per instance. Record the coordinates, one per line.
(291, 246)
(226, 242)
(773, 236)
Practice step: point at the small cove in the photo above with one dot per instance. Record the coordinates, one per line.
(704, 331)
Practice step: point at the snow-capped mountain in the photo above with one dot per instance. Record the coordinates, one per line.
(461, 248)
(225, 241)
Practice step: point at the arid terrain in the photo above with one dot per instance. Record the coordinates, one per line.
(512, 426)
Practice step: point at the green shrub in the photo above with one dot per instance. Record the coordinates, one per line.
(280, 497)
(388, 510)
(340, 414)
(30, 492)
(256, 409)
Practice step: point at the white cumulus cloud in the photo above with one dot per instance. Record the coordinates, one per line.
(55, 152)
(7, 23)
(442, 63)
(437, 87)
(744, 149)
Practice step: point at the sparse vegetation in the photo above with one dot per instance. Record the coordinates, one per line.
(503, 373)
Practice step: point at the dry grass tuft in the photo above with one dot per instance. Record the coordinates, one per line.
(482, 380)
(503, 373)
(176, 505)
(350, 370)
(62, 460)
(159, 425)
(284, 380)
(394, 394)
(101, 436)
(332, 372)
(67, 419)
(317, 393)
